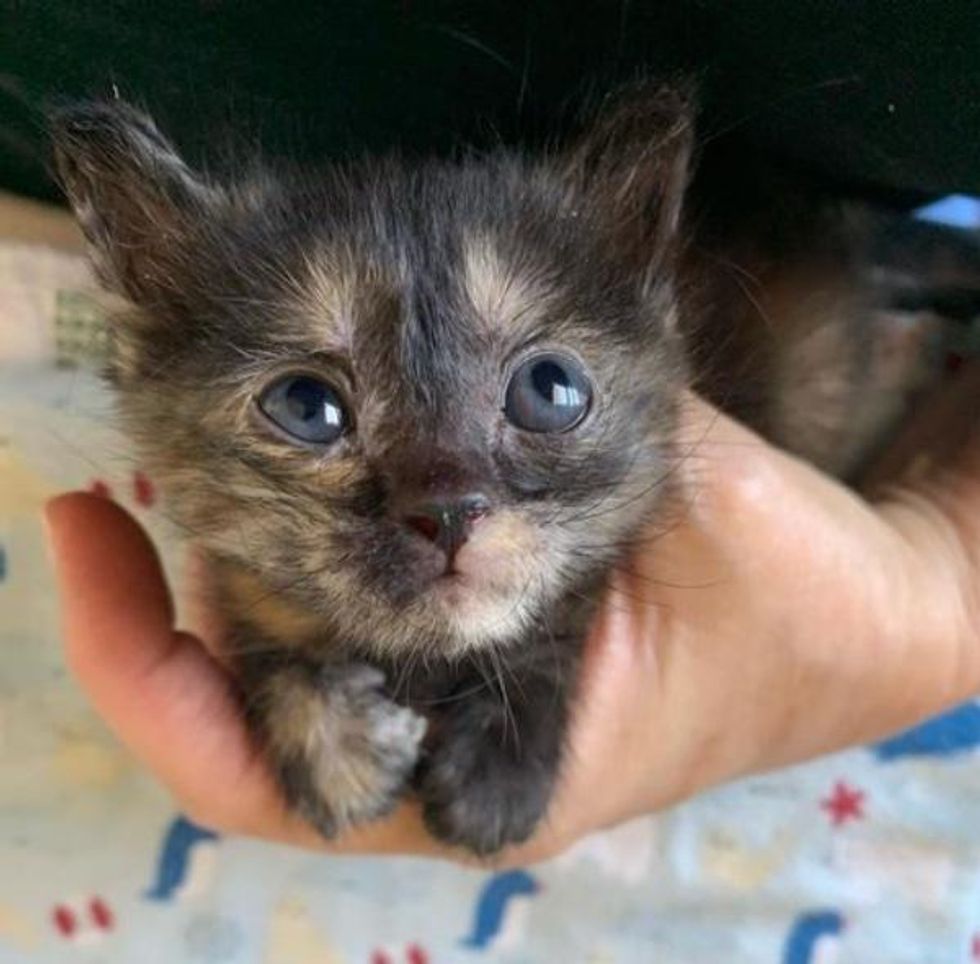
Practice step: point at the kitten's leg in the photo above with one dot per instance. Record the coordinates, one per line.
(488, 777)
(343, 751)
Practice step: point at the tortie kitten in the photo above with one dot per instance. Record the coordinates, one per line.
(414, 413)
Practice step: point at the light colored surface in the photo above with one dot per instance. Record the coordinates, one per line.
(22, 219)
(752, 874)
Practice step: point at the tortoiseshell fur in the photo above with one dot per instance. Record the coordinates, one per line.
(415, 287)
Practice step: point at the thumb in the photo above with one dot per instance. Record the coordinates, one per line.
(158, 689)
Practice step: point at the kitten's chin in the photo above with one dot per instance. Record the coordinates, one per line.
(476, 615)
(489, 595)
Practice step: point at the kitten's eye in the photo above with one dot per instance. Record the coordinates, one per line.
(306, 408)
(548, 393)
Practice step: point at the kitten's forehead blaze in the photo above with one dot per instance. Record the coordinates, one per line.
(502, 296)
(356, 305)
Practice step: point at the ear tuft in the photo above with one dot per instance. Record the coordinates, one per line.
(132, 193)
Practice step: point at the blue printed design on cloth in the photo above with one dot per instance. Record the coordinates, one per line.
(951, 734)
(495, 897)
(807, 932)
(175, 855)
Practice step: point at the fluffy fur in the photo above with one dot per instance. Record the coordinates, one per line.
(416, 289)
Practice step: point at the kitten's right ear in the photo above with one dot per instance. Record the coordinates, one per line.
(133, 195)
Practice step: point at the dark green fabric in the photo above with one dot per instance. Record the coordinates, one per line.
(882, 95)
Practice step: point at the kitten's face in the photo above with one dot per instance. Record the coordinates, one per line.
(422, 403)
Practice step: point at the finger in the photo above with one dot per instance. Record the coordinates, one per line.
(158, 689)
(163, 694)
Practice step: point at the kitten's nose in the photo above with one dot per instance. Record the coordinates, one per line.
(447, 522)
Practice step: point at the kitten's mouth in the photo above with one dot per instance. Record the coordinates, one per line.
(471, 579)
(453, 580)
(480, 607)
(481, 591)
(473, 603)
(453, 572)
(460, 579)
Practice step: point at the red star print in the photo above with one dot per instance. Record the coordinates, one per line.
(416, 955)
(143, 490)
(975, 948)
(844, 804)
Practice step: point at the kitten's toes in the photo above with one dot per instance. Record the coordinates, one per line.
(344, 752)
(478, 794)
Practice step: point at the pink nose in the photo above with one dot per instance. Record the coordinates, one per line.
(447, 522)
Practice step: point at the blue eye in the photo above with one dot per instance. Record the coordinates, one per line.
(306, 408)
(548, 393)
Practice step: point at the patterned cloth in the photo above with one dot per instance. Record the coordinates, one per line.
(867, 857)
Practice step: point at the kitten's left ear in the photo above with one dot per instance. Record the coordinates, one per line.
(631, 169)
(133, 195)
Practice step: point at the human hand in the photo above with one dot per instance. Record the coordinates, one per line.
(783, 617)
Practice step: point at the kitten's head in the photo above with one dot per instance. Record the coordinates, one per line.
(422, 401)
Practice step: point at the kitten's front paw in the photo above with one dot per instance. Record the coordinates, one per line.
(343, 751)
(479, 791)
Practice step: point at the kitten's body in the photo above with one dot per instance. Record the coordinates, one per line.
(373, 659)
